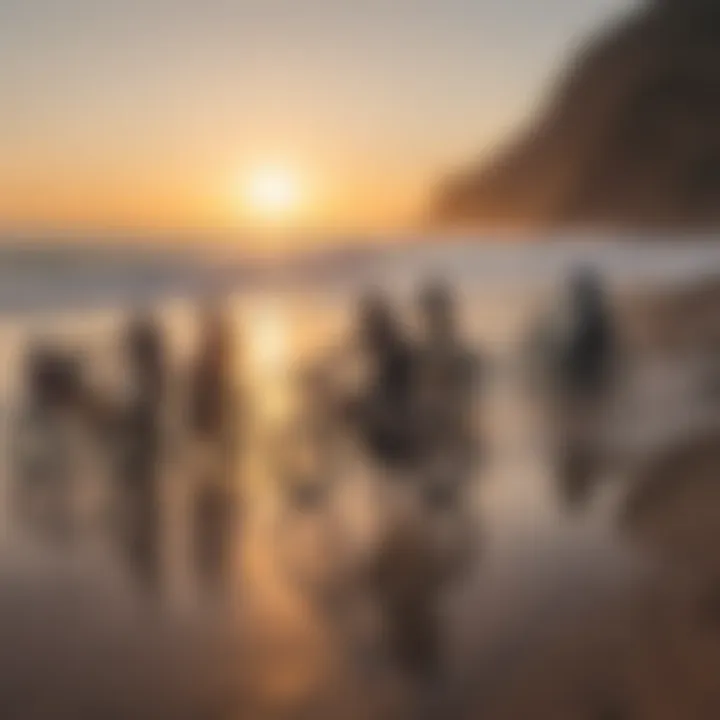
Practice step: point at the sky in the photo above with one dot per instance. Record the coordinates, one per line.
(158, 114)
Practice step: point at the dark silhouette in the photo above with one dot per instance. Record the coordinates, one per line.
(54, 380)
(447, 381)
(571, 352)
(584, 371)
(213, 420)
(212, 381)
(139, 440)
(43, 447)
(383, 413)
(587, 357)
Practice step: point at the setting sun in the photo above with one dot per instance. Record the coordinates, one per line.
(272, 194)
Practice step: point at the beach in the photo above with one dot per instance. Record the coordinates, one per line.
(561, 610)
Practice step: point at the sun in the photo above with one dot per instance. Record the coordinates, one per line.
(272, 193)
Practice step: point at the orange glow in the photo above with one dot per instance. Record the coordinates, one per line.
(311, 197)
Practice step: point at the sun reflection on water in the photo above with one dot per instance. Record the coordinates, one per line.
(268, 348)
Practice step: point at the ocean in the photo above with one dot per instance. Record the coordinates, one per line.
(46, 276)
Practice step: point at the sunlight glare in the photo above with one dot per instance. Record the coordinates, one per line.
(272, 194)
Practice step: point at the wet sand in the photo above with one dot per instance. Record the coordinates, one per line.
(591, 611)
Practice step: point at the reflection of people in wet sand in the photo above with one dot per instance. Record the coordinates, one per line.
(407, 581)
(418, 561)
(213, 415)
(138, 442)
(213, 522)
(575, 354)
(46, 443)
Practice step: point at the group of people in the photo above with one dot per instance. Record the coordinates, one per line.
(64, 419)
(412, 411)
(416, 414)
(419, 395)
(415, 409)
(410, 407)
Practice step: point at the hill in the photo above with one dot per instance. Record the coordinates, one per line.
(629, 138)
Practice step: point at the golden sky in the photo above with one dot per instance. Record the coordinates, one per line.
(161, 113)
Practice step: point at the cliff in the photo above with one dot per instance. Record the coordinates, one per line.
(630, 137)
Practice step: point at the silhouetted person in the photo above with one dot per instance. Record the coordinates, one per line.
(447, 379)
(586, 360)
(383, 413)
(139, 440)
(46, 439)
(213, 420)
(145, 358)
(145, 355)
(212, 376)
